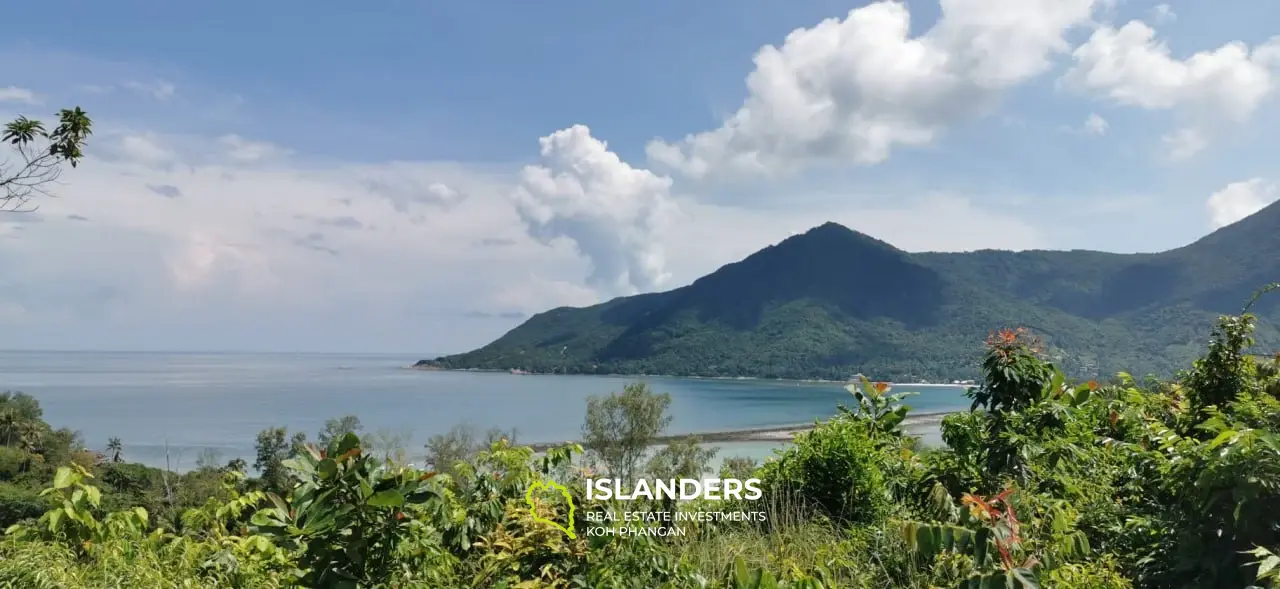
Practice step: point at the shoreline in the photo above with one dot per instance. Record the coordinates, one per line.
(427, 368)
(775, 433)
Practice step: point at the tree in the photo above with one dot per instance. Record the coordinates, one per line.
(40, 155)
(389, 446)
(738, 467)
(21, 422)
(337, 427)
(237, 465)
(620, 428)
(273, 448)
(460, 443)
(209, 459)
(447, 449)
(684, 458)
(114, 447)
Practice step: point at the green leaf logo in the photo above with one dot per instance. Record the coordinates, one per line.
(528, 498)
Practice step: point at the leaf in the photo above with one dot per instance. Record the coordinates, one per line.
(278, 502)
(63, 478)
(94, 494)
(298, 465)
(348, 442)
(263, 519)
(387, 498)
(327, 468)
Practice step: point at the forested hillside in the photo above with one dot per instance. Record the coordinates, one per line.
(833, 302)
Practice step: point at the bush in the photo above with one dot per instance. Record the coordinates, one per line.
(14, 463)
(834, 468)
(19, 503)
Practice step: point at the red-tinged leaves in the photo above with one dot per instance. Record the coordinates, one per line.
(427, 476)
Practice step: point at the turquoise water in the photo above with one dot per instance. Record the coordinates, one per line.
(193, 402)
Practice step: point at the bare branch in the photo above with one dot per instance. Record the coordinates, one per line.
(40, 156)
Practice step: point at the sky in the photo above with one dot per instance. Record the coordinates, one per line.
(420, 177)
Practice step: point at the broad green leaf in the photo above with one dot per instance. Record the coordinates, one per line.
(63, 478)
(387, 498)
(327, 468)
(94, 494)
(348, 442)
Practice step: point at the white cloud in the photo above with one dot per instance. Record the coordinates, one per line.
(613, 213)
(1184, 143)
(157, 89)
(853, 89)
(243, 150)
(1129, 66)
(1163, 13)
(19, 95)
(1096, 125)
(143, 148)
(1239, 200)
(270, 245)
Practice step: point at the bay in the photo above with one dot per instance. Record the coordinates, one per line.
(171, 407)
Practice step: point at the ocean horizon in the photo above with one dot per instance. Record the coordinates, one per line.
(172, 407)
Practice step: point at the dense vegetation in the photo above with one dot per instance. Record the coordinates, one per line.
(1044, 483)
(833, 303)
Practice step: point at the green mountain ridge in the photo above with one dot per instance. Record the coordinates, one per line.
(833, 302)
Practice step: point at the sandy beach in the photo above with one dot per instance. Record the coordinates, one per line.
(779, 433)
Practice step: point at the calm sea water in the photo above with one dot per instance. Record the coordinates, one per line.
(193, 402)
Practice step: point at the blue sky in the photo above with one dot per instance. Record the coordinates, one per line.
(419, 176)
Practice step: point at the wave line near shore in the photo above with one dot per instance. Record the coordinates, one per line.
(776, 433)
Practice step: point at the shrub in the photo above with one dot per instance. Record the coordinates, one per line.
(834, 468)
(13, 463)
(19, 503)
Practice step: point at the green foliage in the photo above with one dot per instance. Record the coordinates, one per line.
(19, 503)
(684, 458)
(620, 428)
(346, 519)
(809, 308)
(274, 446)
(836, 468)
(41, 154)
(738, 467)
(337, 427)
(1044, 482)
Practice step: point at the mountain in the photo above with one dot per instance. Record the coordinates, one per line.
(833, 302)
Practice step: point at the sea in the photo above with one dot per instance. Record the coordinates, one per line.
(172, 409)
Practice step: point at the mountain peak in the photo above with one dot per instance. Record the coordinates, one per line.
(835, 235)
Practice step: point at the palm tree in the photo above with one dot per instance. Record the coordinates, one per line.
(114, 447)
(8, 427)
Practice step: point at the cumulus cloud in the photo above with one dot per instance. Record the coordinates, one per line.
(613, 213)
(1130, 67)
(854, 89)
(19, 95)
(1239, 200)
